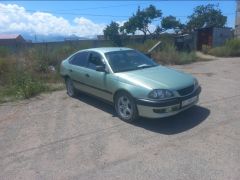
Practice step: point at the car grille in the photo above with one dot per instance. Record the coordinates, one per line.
(185, 91)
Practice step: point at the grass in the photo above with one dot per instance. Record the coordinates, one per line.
(230, 49)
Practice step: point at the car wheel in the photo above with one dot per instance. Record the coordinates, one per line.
(126, 107)
(71, 91)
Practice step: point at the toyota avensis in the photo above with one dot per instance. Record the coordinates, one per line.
(131, 81)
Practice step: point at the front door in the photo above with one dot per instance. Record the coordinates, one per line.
(97, 81)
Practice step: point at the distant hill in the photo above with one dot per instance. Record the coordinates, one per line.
(54, 38)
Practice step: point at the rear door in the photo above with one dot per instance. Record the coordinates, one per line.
(77, 69)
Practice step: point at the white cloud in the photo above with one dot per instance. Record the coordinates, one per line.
(14, 18)
(86, 26)
(121, 22)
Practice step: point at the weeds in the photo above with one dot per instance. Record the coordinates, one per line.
(25, 74)
(230, 49)
(26, 86)
(169, 55)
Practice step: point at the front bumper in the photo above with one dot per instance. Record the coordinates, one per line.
(164, 108)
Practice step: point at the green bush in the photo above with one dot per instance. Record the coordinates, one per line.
(230, 49)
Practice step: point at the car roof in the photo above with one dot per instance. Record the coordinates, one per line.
(107, 49)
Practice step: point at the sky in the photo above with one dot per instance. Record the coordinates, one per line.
(89, 18)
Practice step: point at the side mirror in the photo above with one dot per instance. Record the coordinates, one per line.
(100, 68)
(148, 55)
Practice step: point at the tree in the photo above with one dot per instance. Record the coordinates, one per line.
(141, 20)
(111, 32)
(206, 16)
(129, 27)
(170, 22)
(158, 31)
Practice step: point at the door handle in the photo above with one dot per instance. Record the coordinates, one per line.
(87, 75)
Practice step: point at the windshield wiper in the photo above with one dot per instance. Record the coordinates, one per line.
(145, 66)
(142, 66)
(124, 70)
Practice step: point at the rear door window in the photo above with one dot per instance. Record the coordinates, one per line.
(79, 59)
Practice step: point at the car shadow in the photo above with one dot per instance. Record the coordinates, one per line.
(175, 124)
(181, 122)
(97, 103)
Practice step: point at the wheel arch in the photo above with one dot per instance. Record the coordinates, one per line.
(135, 109)
(120, 91)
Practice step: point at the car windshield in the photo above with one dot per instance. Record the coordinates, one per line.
(127, 60)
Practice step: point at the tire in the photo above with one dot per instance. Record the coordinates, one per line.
(125, 107)
(71, 91)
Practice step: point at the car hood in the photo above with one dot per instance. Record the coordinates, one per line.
(156, 78)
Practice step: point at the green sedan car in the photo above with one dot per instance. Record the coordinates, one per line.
(131, 81)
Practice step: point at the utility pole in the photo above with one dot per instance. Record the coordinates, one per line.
(237, 20)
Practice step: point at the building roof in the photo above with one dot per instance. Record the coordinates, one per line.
(9, 36)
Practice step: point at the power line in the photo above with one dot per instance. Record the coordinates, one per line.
(95, 15)
(76, 14)
(105, 7)
(63, 12)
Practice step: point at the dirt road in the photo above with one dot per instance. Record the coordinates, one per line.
(53, 136)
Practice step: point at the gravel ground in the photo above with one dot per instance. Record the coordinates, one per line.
(54, 136)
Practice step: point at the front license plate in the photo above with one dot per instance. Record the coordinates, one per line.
(189, 101)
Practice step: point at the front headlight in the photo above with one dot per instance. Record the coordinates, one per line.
(160, 94)
(195, 83)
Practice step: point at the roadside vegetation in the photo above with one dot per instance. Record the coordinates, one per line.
(166, 53)
(169, 55)
(230, 49)
(30, 71)
(27, 73)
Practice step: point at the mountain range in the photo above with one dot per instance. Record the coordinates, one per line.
(53, 38)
